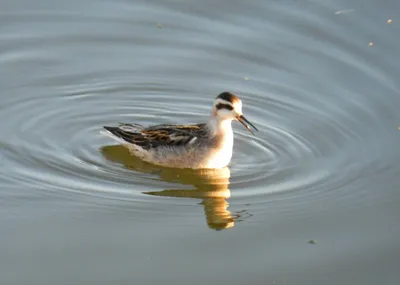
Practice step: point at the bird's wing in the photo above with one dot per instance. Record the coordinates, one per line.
(161, 135)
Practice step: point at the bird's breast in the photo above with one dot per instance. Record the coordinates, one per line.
(220, 153)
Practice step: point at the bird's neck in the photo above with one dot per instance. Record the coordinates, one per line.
(222, 142)
(221, 127)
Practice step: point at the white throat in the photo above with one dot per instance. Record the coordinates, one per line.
(220, 127)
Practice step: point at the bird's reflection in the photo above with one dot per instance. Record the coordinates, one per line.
(210, 185)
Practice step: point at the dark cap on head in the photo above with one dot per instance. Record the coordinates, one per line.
(229, 97)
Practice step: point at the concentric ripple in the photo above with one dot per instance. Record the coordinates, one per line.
(320, 135)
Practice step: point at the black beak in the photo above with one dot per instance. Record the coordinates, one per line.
(246, 123)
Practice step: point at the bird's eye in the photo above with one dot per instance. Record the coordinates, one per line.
(224, 106)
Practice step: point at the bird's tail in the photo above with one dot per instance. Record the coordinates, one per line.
(124, 133)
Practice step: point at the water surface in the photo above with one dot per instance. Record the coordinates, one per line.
(319, 79)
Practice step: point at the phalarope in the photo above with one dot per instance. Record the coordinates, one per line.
(207, 145)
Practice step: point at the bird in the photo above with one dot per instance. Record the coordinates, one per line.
(195, 146)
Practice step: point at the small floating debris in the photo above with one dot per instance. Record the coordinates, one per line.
(389, 21)
(398, 128)
(344, 11)
(159, 25)
(246, 78)
(312, 241)
(371, 44)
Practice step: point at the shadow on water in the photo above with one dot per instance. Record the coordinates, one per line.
(210, 185)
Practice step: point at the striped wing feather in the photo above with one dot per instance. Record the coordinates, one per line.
(161, 135)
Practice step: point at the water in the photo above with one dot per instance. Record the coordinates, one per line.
(320, 79)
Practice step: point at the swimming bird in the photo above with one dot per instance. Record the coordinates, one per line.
(196, 146)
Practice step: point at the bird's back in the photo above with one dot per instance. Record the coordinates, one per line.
(183, 146)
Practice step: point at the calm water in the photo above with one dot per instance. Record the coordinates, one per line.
(320, 79)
